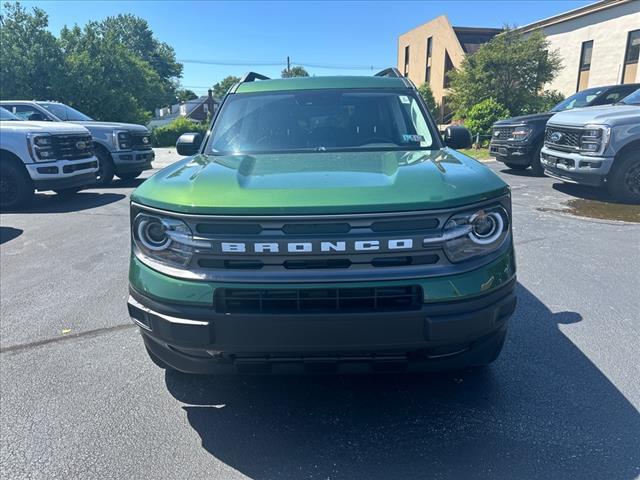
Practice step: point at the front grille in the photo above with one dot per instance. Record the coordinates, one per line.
(318, 300)
(72, 147)
(138, 143)
(569, 138)
(502, 133)
(79, 166)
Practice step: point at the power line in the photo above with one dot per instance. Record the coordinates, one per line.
(248, 63)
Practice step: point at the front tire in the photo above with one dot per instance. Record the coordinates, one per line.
(536, 165)
(623, 182)
(67, 192)
(16, 188)
(513, 166)
(106, 168)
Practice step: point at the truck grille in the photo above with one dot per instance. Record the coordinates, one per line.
(318, 300)
(138, 143)
(72, 147)
(502, 133)
(569, 138)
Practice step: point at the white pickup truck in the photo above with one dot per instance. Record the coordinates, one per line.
(42, 156)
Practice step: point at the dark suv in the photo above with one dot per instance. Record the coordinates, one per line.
(517, 141)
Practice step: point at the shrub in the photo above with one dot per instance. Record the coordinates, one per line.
(427, 95)
(483, 115)
(167, 135)
(544, 102)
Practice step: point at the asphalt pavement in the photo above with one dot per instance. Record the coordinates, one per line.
(80, 399)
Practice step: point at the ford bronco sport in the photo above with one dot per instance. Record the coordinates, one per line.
(322, 225)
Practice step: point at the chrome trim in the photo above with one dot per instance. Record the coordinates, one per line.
(168, 318)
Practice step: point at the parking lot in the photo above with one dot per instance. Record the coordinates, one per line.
(80, 398)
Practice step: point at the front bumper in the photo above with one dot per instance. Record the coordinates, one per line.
(133, 160)
(63, 173)
(517, 154)
(575, 168)
(447, 331)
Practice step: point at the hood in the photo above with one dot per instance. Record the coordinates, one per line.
(532, 118)
(322, 182)
(55, 128)
(605, 115)
(132, 127)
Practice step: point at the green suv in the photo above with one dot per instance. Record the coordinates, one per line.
(322, 225)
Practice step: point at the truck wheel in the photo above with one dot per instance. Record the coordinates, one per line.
(513, 166)
(105, 168)
(16, 189)
(129, 175)
(536, 166)
(623, 182)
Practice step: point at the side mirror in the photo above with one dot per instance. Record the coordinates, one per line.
(457, 137)
(188, 144)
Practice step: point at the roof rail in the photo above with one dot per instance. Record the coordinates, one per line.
(252, 77)
(389, 72)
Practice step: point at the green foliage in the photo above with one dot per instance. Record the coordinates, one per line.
(221, 88)
(427, 95)
(483, 115)
(294, 72)
(167, 135)
(111, 70)
(509, 68)
(184, 95)
(32, 61)
(544, 102)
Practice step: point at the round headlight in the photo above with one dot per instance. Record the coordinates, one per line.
(152, 233)
(486, 227)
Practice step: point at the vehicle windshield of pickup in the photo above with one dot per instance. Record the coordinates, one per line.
(592, 97)
(7, 115)
(633, 99)
(341, 120)
(65, 113)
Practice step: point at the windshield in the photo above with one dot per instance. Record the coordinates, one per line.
(633, 99)
(66, 113)
(320, 120)
(7, 115)
(580, 99)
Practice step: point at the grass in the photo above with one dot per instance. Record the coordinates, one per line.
(481, 154)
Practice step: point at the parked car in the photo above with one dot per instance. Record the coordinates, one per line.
(598, 146)
(123, 149)
(322, 225)
(42, 156)
(517, 141)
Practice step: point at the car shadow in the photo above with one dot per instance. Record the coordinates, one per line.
(9, 233)
(584, 191)
(119, 183)
(520, 173)
(543, 410)
(53, 203)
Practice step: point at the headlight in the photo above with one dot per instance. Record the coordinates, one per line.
(122, 140)
(594, 139)
(166, 240)
(520, 133)
(41, 147)
(473, 234)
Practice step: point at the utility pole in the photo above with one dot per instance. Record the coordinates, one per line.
(288, 65)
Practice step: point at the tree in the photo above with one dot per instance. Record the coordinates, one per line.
(296, 71)
(31, 65)
(184, 95)
(482, 116)
(221, 88)
(544, 102)
(427, 95)
(509, 68)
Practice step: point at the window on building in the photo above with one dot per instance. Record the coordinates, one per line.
(448, 66)
(585, 65)
(406, 61)
(427, 73)
(631, 57)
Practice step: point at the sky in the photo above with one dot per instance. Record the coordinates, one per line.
(257, 34)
